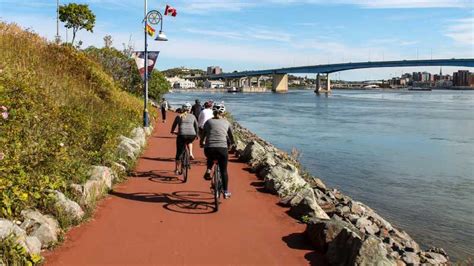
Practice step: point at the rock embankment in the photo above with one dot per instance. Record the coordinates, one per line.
(348, 232)
(36, 231)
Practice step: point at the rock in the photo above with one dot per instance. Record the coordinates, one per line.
(322, 232)
(128, 148)
(119, 168)
(7, 228)
(316, 183)
(433, 258)
(373, 252)
(103, 174)
(304, 203)
(327, 207)
(363, 222)
(283, 180)
(239, 147)
(77, 190)
(356, 208)
(252, 151)
(343, 249)
(44, 227)
(93, 189)
(148, 130)
(411, 258)
(353, 218)
(33, 245)
(139, 136)
(68, 206)
(411, 246)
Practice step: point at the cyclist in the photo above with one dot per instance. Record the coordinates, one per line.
(197, 108)
(216, 133)
(187, 131)
(205, 115)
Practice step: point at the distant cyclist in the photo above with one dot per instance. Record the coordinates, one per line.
(187, 131)
(216, 133)
(205, 115)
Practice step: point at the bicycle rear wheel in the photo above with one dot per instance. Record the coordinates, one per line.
(216, 179)
(185, 165)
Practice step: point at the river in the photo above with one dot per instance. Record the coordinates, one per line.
(407, 154)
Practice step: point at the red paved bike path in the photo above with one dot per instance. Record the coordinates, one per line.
(155, 219)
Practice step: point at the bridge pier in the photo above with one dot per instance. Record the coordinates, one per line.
(280, 82)
(319, 85)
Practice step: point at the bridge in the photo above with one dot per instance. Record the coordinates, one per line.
(280, 75)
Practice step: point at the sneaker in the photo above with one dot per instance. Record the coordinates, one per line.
(227, 194)
(191, 157)
(207, 176)
(177, 172)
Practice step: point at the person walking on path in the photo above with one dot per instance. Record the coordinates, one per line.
(197, 108)
(187, 131)
(205, 115)
(217, 131)
(164, 107)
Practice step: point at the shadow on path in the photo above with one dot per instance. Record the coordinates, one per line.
(299, 241)
(186, 202)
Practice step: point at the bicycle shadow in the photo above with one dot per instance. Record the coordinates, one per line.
(160, 159)
(163, 177)
(185, 202)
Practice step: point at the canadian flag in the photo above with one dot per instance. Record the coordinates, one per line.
(170, 11)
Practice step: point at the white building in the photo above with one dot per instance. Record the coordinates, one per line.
(214, 84)
(179, 83)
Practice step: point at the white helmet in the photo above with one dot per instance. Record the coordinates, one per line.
(186, 107)
(219, 108)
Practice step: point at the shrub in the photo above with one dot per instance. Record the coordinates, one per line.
(64, 114)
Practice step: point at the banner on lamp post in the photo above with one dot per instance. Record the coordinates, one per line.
(139, 57)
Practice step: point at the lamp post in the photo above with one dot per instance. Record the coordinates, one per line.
(154, 17)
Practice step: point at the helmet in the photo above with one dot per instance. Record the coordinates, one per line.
(218, 107)
(186, 107)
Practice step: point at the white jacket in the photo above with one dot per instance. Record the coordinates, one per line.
(205, 115)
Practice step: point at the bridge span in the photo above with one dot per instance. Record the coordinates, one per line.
(280, 75)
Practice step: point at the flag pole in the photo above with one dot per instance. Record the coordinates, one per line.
(145, 92)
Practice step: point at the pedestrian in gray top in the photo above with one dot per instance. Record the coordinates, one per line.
(187, 131)
(217, 133)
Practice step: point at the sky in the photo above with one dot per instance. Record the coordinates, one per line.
(250, 35)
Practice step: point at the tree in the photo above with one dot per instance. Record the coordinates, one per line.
(107, 41)
(157, 85)
(77, 17)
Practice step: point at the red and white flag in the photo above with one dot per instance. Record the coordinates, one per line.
(170, 11)
(139, 57)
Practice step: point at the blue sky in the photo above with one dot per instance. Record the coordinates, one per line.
(245, 35)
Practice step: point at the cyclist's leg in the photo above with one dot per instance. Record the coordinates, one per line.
(210, 161)
(180, 142)
(190, 146)
(222, 157)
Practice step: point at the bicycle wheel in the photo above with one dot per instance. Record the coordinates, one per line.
(217, 186)
(185, 165)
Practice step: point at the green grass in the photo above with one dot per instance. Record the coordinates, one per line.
(65, 114)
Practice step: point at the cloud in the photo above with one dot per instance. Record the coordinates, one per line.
(462, 31)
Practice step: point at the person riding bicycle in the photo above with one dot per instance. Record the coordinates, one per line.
(205, 115)
(217, 131)
(187, 131)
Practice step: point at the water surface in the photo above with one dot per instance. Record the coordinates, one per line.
(409, 155)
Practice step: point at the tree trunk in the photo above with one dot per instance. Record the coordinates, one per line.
(73, 36)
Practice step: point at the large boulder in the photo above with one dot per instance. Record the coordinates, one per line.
(253, 151)
(373, 252)
(43, 227)
(343, 248)
(8, 228)
(103, 174)
(138, 134)
(33, 245)
(322, 232)
(128, 149)
(68, 207)
(284, 180)
(304, 203)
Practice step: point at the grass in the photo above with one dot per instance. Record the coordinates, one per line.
(64, 115)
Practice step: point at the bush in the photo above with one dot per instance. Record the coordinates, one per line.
(64, 114)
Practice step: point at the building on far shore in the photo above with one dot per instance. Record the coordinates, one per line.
(214, 70)
(180, 83)
(214, 84)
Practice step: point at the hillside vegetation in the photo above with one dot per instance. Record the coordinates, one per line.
(64, 115)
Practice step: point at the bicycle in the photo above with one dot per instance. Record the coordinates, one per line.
(216, 184)
(185, 164)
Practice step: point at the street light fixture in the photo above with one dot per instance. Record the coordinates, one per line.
(152, 17)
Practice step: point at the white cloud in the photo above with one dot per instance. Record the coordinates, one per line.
(462, 31)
